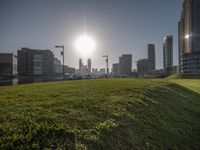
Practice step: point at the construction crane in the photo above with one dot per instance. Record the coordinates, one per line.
(106, 56)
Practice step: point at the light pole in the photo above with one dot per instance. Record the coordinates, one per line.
(106, 56)
(63, 54)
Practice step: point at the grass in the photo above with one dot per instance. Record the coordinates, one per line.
(185, 76)
(193, 85)
(101, 114)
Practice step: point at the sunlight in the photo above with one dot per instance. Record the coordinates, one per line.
(85, 45)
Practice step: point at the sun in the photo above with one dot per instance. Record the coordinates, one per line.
(85, 45)
(187, 36)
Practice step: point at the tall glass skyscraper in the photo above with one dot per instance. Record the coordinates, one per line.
(168, 54)
(189, 37)
(151, 57)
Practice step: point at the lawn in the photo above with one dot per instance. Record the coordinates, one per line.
(190, 84)
(101, 114)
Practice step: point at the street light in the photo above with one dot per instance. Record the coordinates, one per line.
(63, 54)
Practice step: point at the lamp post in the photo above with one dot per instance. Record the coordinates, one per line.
(63, 54)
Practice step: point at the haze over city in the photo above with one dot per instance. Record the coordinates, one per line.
(117, 26)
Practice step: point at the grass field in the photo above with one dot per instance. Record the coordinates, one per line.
(101, 114)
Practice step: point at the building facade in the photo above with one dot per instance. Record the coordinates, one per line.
(89, 64)
(69, 70)
(84, 70)
(116, 69)
(189, 37)
(8, 64)
(168, 54)
(151, 57)
(80, 63)
(101, 72)
(58, 68)
(125, 64)
(35, 62)
(143, 66)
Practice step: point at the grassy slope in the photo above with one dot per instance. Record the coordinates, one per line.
(193, 84)
(184, 76)
(101, 114)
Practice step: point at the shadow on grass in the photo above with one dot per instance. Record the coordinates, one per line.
(165, 116)
(168, 117)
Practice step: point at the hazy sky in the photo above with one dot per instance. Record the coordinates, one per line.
(118, 26)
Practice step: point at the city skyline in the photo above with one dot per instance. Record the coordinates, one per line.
(120, 28)
(99, 74)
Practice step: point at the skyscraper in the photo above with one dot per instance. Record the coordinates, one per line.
(125, 64)
(168, 53)
(89, 65)
(189, 37)
(143, 66)
(151, 57)
(115, 69)
(80, 63)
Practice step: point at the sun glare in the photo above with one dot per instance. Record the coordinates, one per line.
(85, 45)
(187, 36)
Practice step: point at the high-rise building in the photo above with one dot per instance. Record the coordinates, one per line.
(189, 37)
(125, 64)
(116, 69)
(151, 57)
(89, 63)
(35, 62)
(168, 53)
(143, 66)
(80, 63)
(8, 64)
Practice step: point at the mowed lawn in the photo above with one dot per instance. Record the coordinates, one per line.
(108, 114)
(192, 84)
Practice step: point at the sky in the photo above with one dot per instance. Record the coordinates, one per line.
(117, 26)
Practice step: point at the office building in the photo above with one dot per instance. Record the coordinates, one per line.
(89, 62)
(151, 57)
(58, 68)
(101, 72)
(80, 63)
(116, 69)
(35, 62)
(124, 67)
(189, 37)
(174, 70)
(69, 70)
(147, 66)
(168, 54)
(143, 66)
(125, 64)
(8, 64)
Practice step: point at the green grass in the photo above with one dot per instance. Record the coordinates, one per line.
(101, 114)
(188, 83)
(184, 76)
